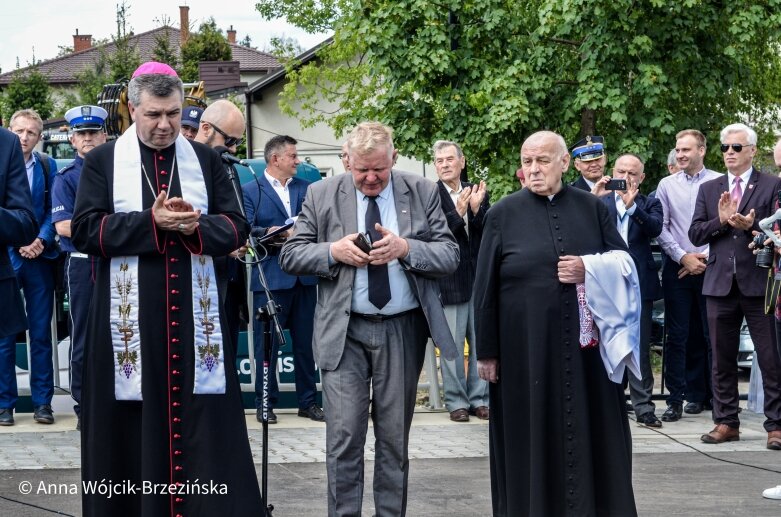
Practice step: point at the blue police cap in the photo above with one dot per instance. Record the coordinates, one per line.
(592, 147)
(86, 118)
(191, 116)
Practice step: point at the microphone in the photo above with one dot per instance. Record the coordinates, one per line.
(227, 157)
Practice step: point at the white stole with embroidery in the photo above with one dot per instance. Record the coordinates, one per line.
(125, 330)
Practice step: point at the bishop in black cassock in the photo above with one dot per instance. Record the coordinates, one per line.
(560, 443)
(181, 428)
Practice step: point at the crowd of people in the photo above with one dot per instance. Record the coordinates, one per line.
(551, 289)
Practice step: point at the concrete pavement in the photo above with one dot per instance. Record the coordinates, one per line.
(674, 473)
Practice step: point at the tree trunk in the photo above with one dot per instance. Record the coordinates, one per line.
(587, 122)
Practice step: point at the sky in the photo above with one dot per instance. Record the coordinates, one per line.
(37, 28)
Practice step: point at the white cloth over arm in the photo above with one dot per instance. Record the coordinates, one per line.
(613, 297)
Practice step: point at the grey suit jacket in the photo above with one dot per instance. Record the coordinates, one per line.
(328, 214)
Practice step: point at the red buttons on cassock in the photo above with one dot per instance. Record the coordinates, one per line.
(174, 307)
(174, 275)
(177, 420)
(174, 259)
(174, 340)
(163, 173)
(179, 500)
(176, 404)
(177, 435)
(174, 356)
(178, 467)
(175, 388)
(164, 185)
(174, 291)
(175, 372)
(174, 323)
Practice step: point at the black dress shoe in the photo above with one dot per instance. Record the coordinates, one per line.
(693, 408)
(6, 417)
(272, 418)
(313, 412)
(649, 420)
(673, 413)
(43, 414)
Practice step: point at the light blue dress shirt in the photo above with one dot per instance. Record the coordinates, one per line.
(402, 298)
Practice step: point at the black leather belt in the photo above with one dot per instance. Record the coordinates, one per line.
(377, 318)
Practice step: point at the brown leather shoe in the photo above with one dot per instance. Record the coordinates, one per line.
(481, 412)
(720, 434)
(774, 440)
(459, 415)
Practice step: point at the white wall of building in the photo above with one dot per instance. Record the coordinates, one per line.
(317, 145)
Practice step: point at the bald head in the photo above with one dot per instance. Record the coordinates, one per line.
(226, 117)
(548, 138)
(544, 158)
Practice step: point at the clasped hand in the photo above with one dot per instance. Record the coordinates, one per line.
(388, 248)
(175, 214)
(32, 250)
(728, 213)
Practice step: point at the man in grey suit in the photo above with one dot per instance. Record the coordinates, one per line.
(375, 310)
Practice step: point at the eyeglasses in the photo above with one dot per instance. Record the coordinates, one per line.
(230, 141)
(735, 147)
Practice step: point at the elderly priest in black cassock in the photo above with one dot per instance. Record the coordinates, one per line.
(162, 418)
(560, 443)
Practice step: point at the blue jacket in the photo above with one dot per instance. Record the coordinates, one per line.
(645, 224)
(17, 228)
(42, 208)
(264, 209)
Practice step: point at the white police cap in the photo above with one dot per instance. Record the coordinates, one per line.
(86, 118)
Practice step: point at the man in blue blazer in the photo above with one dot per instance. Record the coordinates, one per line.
(34, 268)
(17, 227)
(638, 219)
(275, 197)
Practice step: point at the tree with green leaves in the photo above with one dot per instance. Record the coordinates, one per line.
(208, 44)
(164, 52)
(283, 47)
(487, 73)
(28, 89)
(123, 61)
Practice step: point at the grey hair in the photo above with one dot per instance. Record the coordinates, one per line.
(739, 128)
(671, 158)
(367, 137)
(441, 144)
(157, 85)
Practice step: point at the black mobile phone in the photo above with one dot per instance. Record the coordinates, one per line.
(364, 242)
(615, 185)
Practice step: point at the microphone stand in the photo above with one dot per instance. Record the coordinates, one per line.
(267, 315)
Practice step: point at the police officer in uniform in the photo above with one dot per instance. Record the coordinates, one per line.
(86, 124)
(191, 120)
(590, 160)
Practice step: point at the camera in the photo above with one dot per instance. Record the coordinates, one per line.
(615, 184)
(764, 253)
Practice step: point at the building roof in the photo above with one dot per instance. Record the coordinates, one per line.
(281, 72)
(64, 70)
